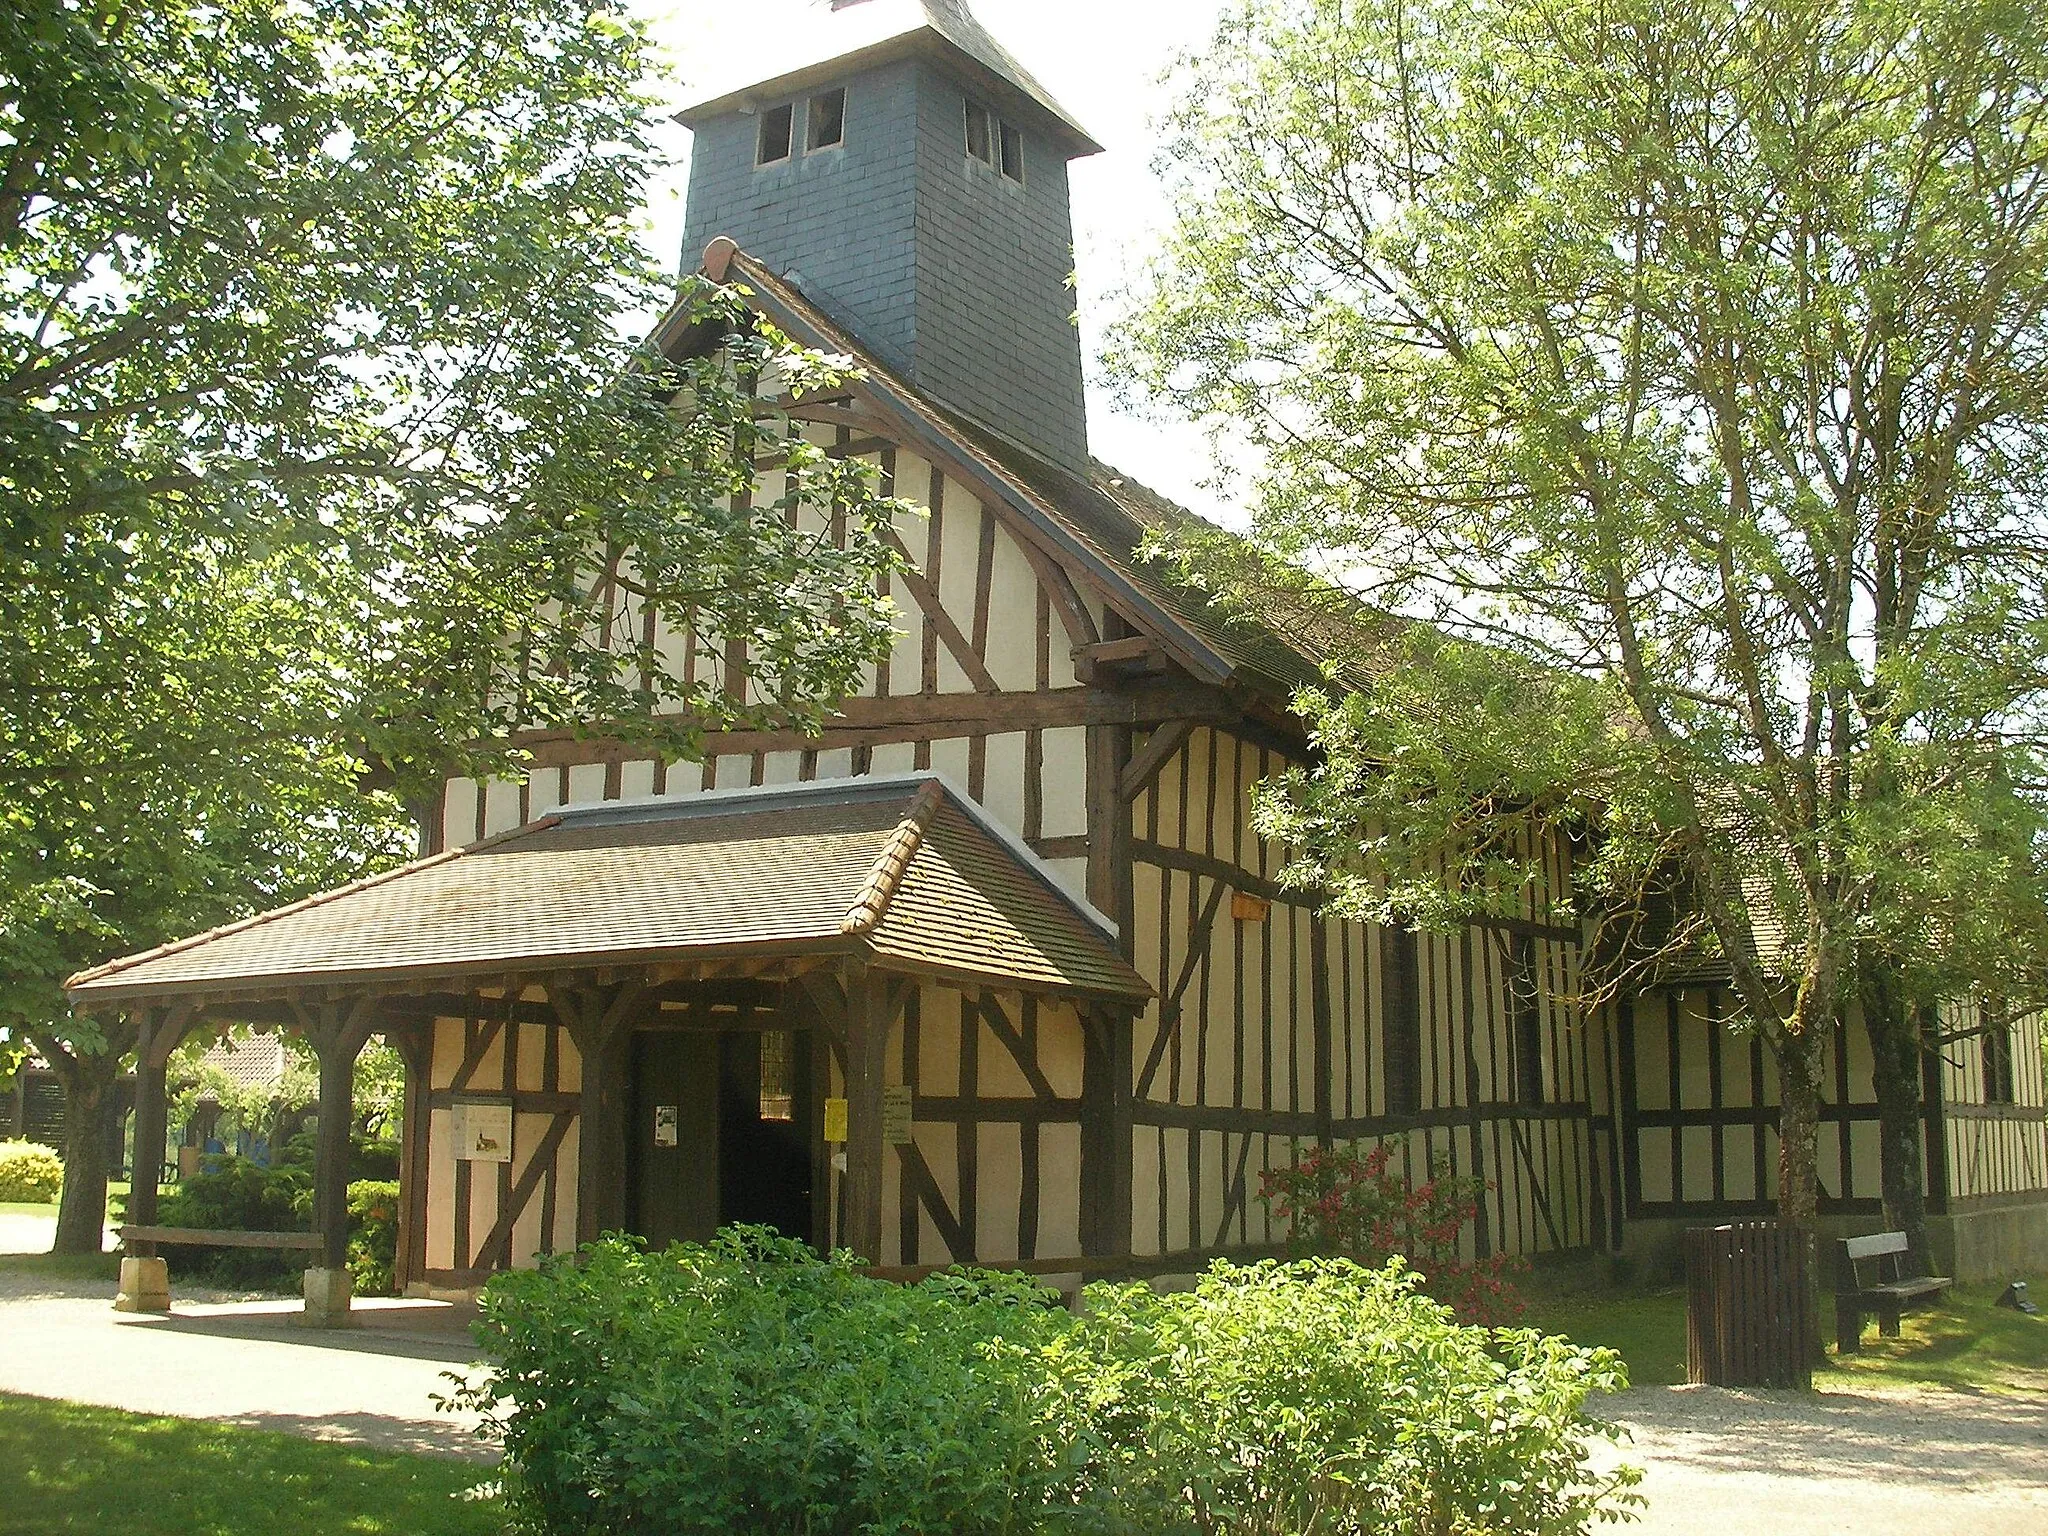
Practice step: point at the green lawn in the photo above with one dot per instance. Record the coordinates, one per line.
(1965, 1342)
(69, 1468)
(117, 1198)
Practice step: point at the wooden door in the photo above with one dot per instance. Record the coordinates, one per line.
(672, 1145)
(765, 1127)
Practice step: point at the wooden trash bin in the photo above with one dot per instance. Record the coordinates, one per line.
(1746, 1306)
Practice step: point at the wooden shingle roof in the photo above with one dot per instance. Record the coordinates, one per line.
(899, 871)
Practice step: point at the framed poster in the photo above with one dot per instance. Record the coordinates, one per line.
(483, 1130)
(896, 1108)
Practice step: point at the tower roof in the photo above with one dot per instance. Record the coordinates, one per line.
(808, 43)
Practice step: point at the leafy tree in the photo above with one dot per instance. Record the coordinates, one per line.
(1684, 368)
(327, 463)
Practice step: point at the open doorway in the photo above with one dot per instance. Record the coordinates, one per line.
(721, 1133)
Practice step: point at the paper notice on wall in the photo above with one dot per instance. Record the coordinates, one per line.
(665, 1123)
(483, 1131)
(835, 1120)
(896, 1101)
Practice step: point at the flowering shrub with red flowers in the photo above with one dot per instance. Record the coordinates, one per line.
(1342, 1203)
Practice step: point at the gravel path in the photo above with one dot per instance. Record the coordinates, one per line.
(1721, 1463)
(224, 1357)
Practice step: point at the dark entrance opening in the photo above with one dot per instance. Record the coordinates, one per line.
(720, 1133)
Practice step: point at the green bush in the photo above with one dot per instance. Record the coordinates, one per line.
(748, 1385)
(234, 1194)
(1339, 1202)
(1321, 1396)
(373, 1235)
(370, 1158)
(30, 1172)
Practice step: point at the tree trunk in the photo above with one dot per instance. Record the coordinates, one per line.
(1798, 1058)
(89, 1104)
(1892, 1021)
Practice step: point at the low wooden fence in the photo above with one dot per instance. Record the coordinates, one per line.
(1748, 1305)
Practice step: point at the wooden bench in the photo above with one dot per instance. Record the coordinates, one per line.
(1887, 1296)
(202, 1237)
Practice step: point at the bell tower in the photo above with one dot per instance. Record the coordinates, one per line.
(910, 176)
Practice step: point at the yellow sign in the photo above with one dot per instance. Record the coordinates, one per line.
(835, 1120)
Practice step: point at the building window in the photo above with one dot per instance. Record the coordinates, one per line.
(995, 143)
(1525, 1010)
(1401, 1018)
(778, 1075)
(1998, 1084)
(825, 121)
(978, 134)
(777, 124)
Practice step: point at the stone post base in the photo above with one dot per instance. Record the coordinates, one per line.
(327, 1298)
(145, 1286)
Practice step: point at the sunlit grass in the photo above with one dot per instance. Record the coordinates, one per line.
(1963, 1342)
(67, 1468)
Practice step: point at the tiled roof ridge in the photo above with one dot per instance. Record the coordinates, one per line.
(887, 876)
(368, 882)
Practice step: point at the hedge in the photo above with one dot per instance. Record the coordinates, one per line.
(749, 1385)
(30, 1172)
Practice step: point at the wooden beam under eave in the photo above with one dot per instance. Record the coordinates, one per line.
(1159, 749)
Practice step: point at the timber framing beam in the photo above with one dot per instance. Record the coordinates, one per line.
(861, 722)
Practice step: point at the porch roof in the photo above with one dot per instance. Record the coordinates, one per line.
(901, 872)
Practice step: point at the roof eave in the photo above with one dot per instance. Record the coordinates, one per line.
(923, 42)
(280, 986)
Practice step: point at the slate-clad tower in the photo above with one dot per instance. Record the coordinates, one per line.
(913, 177)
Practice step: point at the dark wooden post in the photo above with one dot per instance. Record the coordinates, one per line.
(153, 1048)
(1323, 1013)
(338, 1032)
(145, 1282)
(596, 1019)
(867, 1049)
(1110, 887)
(1106, 1133)
(1106, 1075)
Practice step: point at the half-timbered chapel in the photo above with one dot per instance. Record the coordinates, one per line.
(996, 969)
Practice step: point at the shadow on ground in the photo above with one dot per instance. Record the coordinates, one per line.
(406, 1330)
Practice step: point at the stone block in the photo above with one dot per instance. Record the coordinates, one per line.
(145, 1286)
(328, 1292)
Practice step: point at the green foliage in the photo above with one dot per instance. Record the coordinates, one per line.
(234, 1194)
(373, 1220)
(748, 1385)
(1322, 1397)
(328, 460)
(1342, 1203)
(30, 1172)
(1660, 396)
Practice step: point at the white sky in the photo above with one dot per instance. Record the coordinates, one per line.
(1101, 60)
